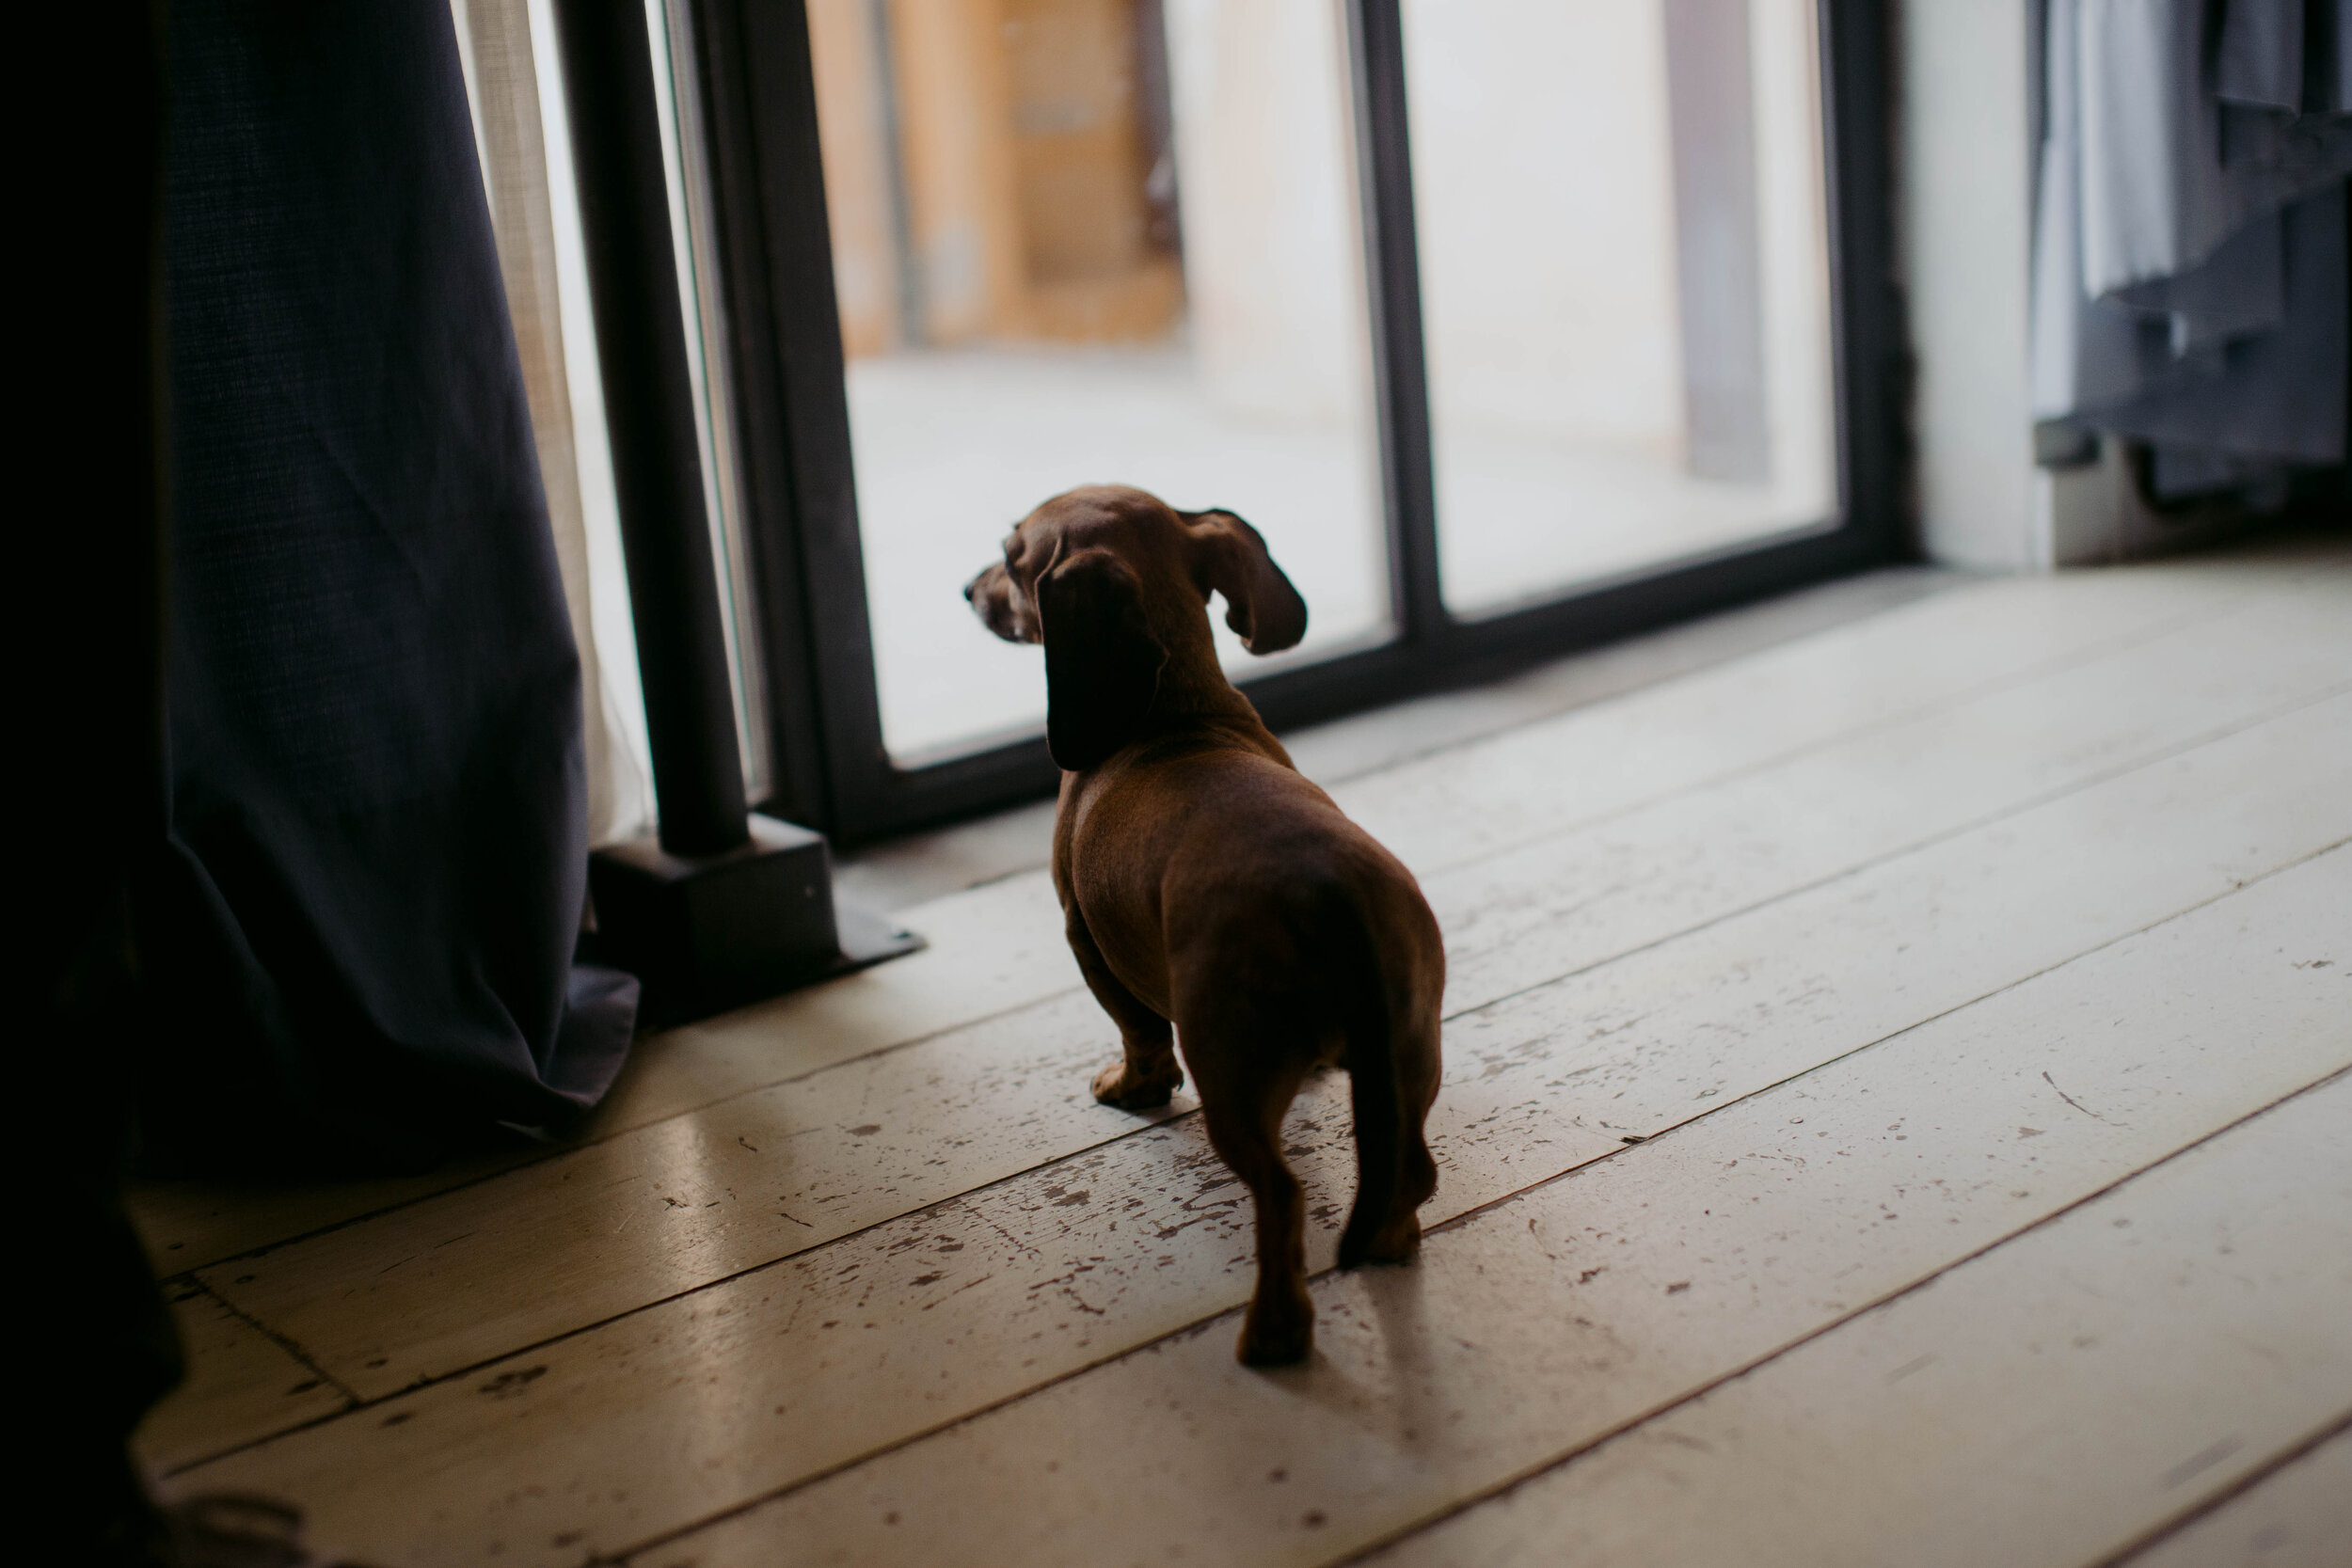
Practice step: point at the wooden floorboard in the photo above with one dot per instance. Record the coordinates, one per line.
(1662, 1271)
(1526, 783)
(1535, 911)
(995, 948)
(808, 1250)
(430, 1289)
(2189, 1324)
(992, 950)
(972, 1304)
(242, 1385)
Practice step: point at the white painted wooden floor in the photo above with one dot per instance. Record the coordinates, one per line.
(1897, 1112)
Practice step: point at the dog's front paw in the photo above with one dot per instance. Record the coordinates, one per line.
(1116, 1085)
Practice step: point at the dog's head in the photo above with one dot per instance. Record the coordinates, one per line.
(1116, 584)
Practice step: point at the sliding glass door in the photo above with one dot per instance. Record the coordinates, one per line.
(1513, 324)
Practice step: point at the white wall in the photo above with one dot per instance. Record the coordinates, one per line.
(1964, 202)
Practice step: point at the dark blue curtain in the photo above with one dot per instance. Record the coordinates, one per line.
(359, 944)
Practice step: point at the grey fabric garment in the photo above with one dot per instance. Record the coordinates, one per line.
(2205, 472)
(2343, 59)
(2276, 395)
(2236, 291)
(2164, 181)
(2188, 268)
(2262, 53)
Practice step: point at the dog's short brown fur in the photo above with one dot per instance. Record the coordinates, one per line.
(1207, 885)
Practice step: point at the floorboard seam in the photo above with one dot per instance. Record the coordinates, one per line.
(2205, 614)
(1464, 1504)
(2300, 1447)
(2019, 808)
(2296, 575)
(525, 1162)
(1955, 581)
(2181, 913)
(286, 1342)
(471, 1367)
(528, 1161)
(2015, 680)
(1202, 1325)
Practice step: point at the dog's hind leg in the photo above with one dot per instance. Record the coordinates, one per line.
(1393, 1078)
(1246, 1085)
(1147, 1073)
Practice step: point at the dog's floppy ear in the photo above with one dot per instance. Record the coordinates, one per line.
(1102, 662)
(1229, 558)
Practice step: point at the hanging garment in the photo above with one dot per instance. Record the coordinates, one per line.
(2189, 244)
(360, 942)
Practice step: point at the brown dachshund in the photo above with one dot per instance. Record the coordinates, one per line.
(1207, 885)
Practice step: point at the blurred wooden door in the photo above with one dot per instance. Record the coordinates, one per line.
(997, 170)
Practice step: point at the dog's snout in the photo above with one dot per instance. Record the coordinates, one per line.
(991, 598)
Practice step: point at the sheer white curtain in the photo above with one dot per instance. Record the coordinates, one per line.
(508, 47)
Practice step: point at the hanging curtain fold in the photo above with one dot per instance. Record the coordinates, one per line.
(360, 939)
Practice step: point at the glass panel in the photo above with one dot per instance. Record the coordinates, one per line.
(1079, 240)
(1625, 280)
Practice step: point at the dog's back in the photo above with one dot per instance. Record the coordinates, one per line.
(1201, 855)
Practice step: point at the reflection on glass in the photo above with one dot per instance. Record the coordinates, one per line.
(1081, 241)
(1625, 282)
(691, 231)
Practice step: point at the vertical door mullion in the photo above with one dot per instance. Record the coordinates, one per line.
(643, 357)
(802, 519)
(801, 792)
(1375, 36)
(1869, 344)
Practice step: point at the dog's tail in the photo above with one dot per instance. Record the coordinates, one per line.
(1392, 1072)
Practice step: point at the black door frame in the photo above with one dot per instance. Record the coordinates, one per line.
(831, 770)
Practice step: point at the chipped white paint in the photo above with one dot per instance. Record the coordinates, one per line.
(2188, 1325)
(1544, 778)
(792, 1369)
(1536, 911)
(431, 1288)
(996, 948)
(1543, 1324)
(1656, 814)
(436, 1286)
